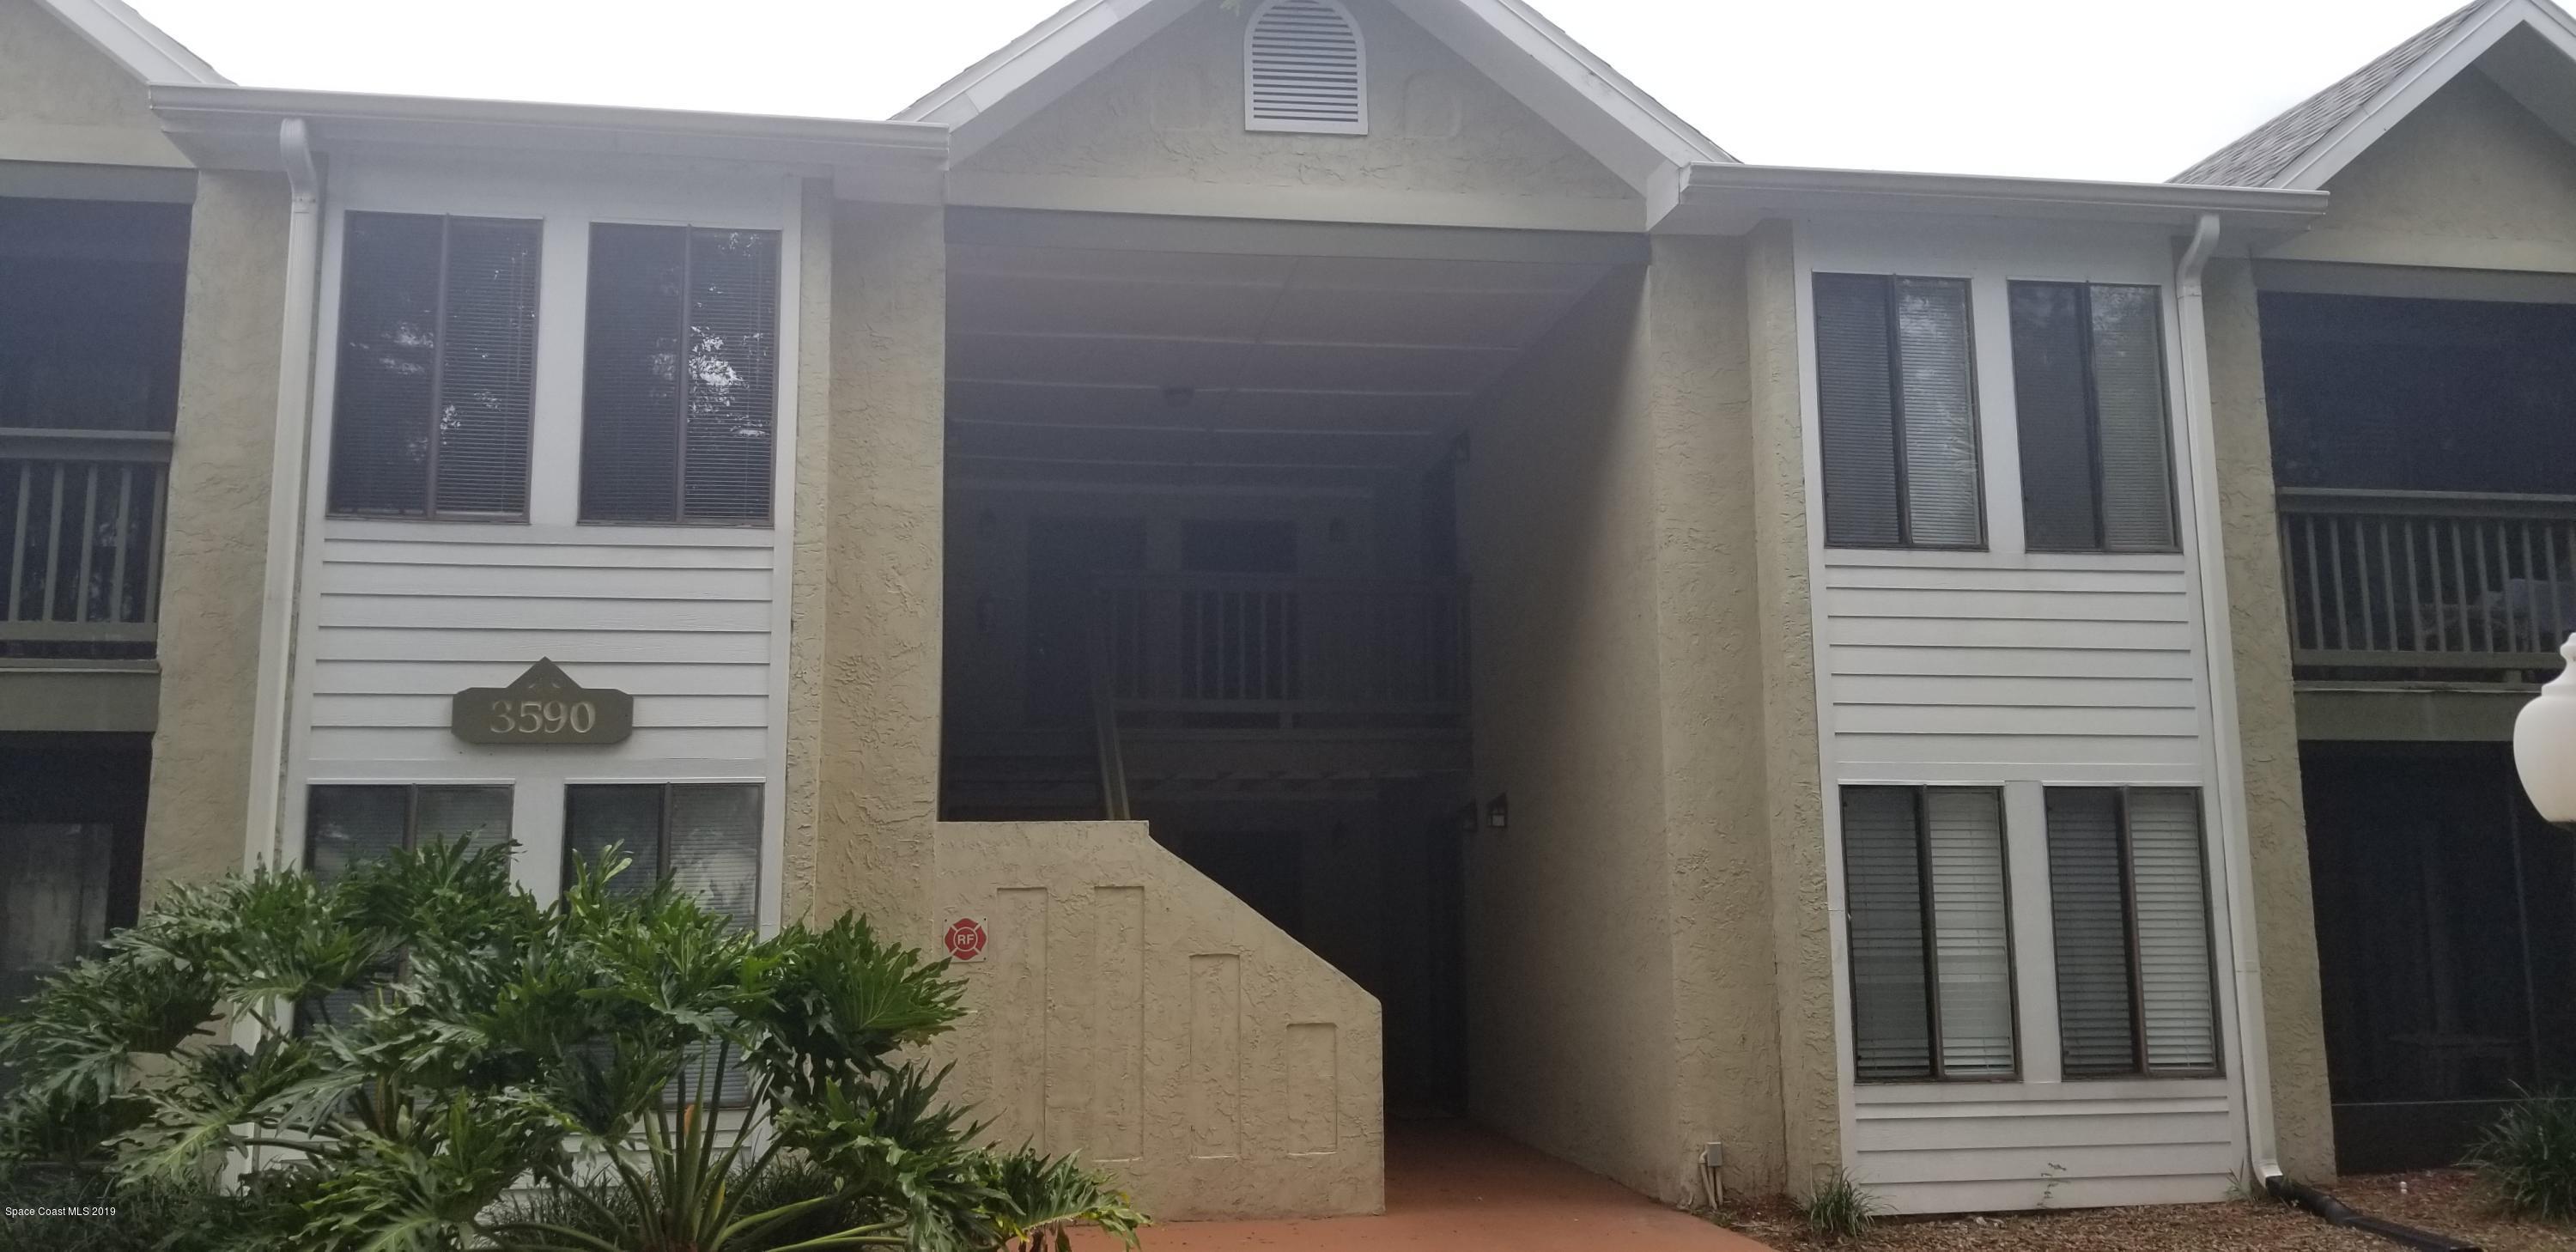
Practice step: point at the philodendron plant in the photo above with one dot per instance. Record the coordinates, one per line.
(423, 1057)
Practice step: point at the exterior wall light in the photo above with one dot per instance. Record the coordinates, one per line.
(1498, 814)
(2544, 747)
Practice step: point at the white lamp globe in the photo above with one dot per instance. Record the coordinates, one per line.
(2544, 746)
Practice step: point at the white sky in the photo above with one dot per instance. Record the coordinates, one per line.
(2114, 89)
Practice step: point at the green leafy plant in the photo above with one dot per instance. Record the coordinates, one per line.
(421, 1058)
(2527, 1156)
(1840, 1208)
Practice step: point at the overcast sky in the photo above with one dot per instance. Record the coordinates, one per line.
(2115, 89)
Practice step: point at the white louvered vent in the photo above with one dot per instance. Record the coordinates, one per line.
(1304, 69)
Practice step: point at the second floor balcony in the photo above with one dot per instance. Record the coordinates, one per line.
(2425, 586)
(81, 516)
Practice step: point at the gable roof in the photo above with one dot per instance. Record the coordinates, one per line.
(146, 52)
(2314, 139)
(1506, 40)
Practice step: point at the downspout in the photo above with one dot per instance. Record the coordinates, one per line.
(2236, 853)
(286, 479)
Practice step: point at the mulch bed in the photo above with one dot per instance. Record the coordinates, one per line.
(2447, 1202)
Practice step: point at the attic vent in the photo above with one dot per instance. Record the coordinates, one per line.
(1305, 70)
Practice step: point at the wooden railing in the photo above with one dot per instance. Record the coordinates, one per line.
(81, 516)
(2428, 584)
(1307, 652)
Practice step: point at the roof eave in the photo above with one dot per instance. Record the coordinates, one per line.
(145, 50)
(1731, 199)
(236, 127)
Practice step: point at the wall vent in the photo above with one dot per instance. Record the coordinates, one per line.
(1304, 69)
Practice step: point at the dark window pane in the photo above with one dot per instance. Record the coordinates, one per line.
(1939, 414)
(487, 367)
(628, 819)
(2129, 394)
(346, 827)
(715, 848)
(387, 364)
(732, 375)
(2048, 340)
(2088, 895)
(475, 815)
(631, 393)
(1883, 882)
(679, 412)
(438, 339)
(1856, 406)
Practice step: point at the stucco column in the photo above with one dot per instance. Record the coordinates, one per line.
(1793, 790)
(1713, 663)
(875, 803)
(217, 528)
(2267, 712)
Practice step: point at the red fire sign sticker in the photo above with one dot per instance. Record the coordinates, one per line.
(965, 939)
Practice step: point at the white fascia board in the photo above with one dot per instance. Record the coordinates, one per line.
(1731, 199)
(2472, 40)
(141, 47)
(1039, 68)
(236, 127)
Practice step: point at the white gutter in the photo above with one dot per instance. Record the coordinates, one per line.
(286, 478)
(2236, 855)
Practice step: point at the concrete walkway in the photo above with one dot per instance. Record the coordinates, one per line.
(1452, 1188)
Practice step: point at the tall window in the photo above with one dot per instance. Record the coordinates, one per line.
(1931, 933)
(680, 380)
(438, 325)
(2129, 887)
(703, 838)
(2096, 445)
(1896, 395)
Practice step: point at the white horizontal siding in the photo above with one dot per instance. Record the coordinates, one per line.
(403, 617)
(2026, 672)
(2066, 1145)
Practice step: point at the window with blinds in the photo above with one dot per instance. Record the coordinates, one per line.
(437, 367)
(1897, 406)
(1930, 916)
(2096, 441)
(680, 375)
(2136, 971)
(349, 826)
(1305, 69)
(704, 838)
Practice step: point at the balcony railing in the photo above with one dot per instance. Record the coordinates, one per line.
(81, 512)
(2431, 585)
(1294, 652)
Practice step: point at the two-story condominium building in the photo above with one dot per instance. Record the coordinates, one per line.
(1350, 566)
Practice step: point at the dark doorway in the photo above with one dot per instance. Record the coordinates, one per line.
(2446, 937)
(1066, 556)
(71, 848)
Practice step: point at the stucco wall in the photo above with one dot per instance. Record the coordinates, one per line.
(873, 786)
(63, 100)
(216, 562)
(1623, 936)
(2469, 179)
(1570, 965)
(2267, 715)
(1173, 109)
(1801, 917)
(1130, 1009)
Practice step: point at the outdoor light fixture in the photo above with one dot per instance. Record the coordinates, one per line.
(1499, 813)
(2544, 747)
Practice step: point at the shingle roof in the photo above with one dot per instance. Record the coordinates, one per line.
(2267, 152)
